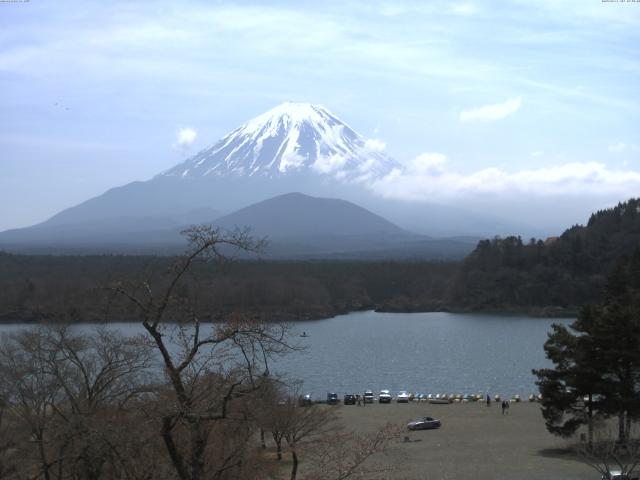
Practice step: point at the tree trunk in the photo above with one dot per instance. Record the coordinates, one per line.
(278, 441)
(590, 424)
(294, 466)
(174, 454)
(628, 427)
(198, 444)
(621, 428)
(43, 456)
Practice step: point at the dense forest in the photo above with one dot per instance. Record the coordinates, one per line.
(549, 277)
(72, 288)
(564, 272)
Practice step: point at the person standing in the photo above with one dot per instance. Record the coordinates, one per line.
(504, 406)
(488, 400)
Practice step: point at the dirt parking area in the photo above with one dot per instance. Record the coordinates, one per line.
(475, 442)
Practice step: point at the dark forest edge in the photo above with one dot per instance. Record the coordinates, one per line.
(554, 277)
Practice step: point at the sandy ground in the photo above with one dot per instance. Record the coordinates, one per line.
(475, 442)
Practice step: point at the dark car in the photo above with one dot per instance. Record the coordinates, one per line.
(424, 423)
(305, 400)
(332, 398)
(349, 399)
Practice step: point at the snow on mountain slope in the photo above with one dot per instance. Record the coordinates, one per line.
(291, 138)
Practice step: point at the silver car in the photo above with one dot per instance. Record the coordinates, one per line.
(424, 423)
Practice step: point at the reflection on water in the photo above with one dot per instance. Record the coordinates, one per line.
(420, 352)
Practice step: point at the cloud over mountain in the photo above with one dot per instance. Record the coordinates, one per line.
(186, 136)
(429, 175)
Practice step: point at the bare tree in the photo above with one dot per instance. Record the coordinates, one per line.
(305, 425)
(29, 395)
(7, 443)
(210, 368)
(65, 389)
(606, 454)
(347, 455)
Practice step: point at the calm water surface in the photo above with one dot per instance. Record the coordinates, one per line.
(420, 352)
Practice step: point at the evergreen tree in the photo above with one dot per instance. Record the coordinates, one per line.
(596, 360)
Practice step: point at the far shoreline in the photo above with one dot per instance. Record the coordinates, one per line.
(541, 313)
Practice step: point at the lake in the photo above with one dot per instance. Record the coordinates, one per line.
(421, 352)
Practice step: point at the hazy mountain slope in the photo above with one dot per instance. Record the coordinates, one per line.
(293, 147)
(298, 215)
(301, 226)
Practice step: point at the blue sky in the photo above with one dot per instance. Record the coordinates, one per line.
(516, 101)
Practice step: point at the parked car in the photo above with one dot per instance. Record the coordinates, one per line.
(617, 475)
(332, 398)
(368, 396)
(403, 397)
(349, 399)
(384, 397)
(424, 423)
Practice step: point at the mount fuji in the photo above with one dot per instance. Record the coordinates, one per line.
(294, 147)
(290, 139)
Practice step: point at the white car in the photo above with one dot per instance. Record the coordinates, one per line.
(384, 397)
(617, 475)
(402, 397)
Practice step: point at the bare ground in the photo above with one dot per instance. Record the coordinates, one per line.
(475, 442)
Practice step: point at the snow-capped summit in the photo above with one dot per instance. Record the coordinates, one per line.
(291, 138)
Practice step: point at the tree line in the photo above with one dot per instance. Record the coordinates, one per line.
(35, 288)
(555, 276)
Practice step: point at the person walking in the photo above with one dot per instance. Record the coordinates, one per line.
(488, 400)
(364, 400)
(504, 406)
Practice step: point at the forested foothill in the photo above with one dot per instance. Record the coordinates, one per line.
(560, 273)
(554, 276)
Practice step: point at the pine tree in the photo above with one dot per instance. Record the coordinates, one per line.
(597, 360)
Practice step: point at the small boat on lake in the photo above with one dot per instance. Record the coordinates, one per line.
(304, 334)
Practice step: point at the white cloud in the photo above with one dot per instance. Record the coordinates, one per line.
(618, 147)
(489, 113)
(537, 153)
(375, 145)
(185, 137)
(290, 160)
(428, 163)
(464, 9)
(427, 178)
(329, 163)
